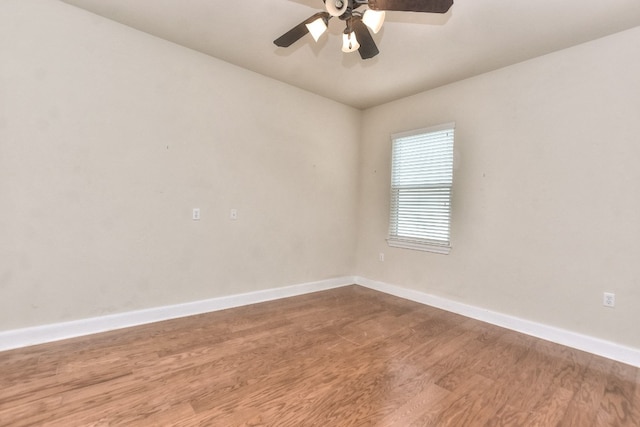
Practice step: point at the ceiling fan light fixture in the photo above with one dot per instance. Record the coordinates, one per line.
(350, 42)
(360, 23)
(317, 28)
(373, 19)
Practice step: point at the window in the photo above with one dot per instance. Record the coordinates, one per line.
(421, 179)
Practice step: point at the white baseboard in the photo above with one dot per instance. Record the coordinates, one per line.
(54, 332)
(575, 340)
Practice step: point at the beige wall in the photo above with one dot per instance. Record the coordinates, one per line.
(109, 137)
(546, 209)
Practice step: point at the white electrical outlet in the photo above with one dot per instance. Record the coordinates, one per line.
(233, 214)
(195, 215)
(381, 256)
(609, 299)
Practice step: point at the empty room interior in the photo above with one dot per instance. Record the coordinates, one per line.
(197, 223)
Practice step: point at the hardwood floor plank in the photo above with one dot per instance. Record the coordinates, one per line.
(502, 358)
(343, 357)
(454, 410)
(429, 396)
(508, 416)
(535, 379)
(550, 409)
(617, 406)
(584, 406)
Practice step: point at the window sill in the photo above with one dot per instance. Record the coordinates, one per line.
(419, 246)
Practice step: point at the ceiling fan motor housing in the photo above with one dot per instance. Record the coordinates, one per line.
(337, 7)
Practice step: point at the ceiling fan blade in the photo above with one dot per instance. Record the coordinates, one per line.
(299, 31)
(291, 36)
(368, 48)
(429, 6)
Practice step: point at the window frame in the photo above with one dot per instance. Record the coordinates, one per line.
(416, 242)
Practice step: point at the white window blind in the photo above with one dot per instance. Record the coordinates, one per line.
(421, 180)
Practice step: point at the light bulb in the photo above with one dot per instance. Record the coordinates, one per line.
(373, 19)
(350, 42)
(317, 28)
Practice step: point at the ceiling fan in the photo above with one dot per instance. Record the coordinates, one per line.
(356, 35)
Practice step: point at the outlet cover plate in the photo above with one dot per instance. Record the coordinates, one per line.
(609, 299)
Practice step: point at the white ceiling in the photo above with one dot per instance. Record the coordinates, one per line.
(417, 51)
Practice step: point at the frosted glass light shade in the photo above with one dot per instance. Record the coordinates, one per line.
(350, 42)
(373, 19)
(317, 28)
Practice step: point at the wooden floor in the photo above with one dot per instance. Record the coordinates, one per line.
(345, 357)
